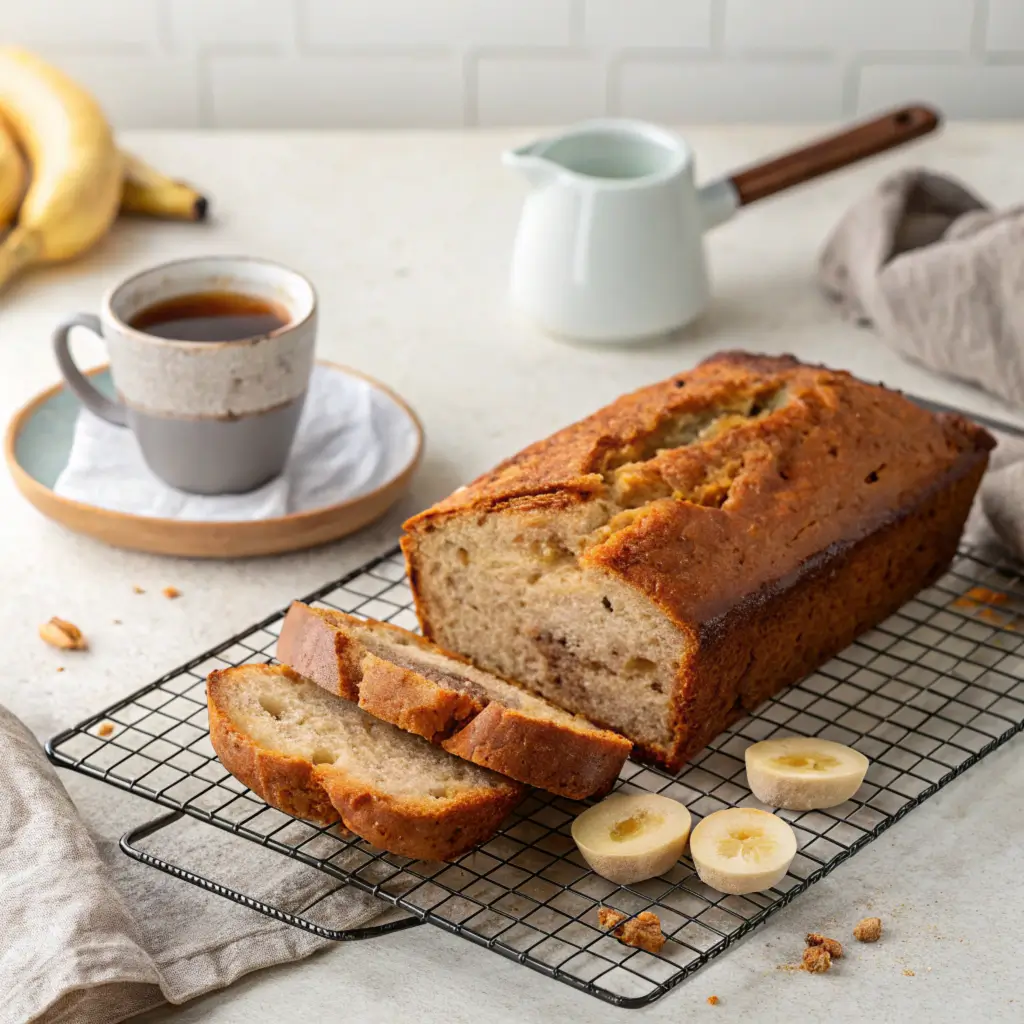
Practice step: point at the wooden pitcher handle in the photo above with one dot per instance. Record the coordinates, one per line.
(829, 154)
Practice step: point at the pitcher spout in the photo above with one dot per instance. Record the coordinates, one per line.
(537, 170)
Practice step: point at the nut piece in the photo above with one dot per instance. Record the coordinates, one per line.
(105, 729)
(63, 634)
(171, 593)
(869, 929)
(835, 949)
(817, 959)
(643, 931)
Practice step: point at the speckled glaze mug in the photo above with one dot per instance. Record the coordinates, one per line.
(211, 417)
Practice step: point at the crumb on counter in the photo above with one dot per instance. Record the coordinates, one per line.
(117, 622)
(60, 668)
(981, 595)
(713, 1000)
(642, 931)
(63, 634)
(137, 589)
(816, 959)
(907, 973)
(171, 593)
(105, 729)
(835, 949)
(868, 929)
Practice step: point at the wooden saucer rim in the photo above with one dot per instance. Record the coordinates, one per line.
(211, 538)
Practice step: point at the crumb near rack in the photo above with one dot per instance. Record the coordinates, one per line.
(834, 948)
(171, 593)
(868, 929)
(713, 1000)
(816, 960)
(643, 931)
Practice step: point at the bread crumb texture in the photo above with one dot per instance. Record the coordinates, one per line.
(63, 634)
(642, 931)
(835, 949)
(868, 929)
(817, 959)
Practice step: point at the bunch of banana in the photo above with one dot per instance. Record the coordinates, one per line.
(77, 179)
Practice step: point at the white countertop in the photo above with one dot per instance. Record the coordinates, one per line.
(407, 238)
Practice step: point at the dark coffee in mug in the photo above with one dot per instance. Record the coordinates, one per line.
(211, 316)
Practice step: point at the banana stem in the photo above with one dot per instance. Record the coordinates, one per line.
(174, 200)
(20, 249)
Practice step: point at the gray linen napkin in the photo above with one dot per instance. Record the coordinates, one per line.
(940, 275)
(88, 936)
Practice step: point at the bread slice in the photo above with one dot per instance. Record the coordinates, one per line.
(317, 757)
(399, 677)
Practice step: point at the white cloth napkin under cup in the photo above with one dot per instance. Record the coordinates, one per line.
(352, 438)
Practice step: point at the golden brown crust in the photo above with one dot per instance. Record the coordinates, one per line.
(404, 698)
(555, 756)
(418, 828)
(287, 783)
(771, 543)
(775, 639)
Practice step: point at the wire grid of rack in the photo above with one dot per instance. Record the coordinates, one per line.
(925, 695)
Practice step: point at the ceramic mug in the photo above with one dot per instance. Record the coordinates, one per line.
(210, 417)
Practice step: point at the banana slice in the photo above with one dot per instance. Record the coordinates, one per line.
(801, 773)
(742, 850)
(627, 838)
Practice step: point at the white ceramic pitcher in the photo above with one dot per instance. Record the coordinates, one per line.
(610, 244)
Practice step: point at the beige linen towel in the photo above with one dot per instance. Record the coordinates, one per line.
(940, 275)
(88, 936)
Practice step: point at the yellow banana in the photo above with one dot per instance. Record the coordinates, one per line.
(76, 168)
(13, 176)
(150, 192)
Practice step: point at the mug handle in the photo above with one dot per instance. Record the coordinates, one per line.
(94, 400)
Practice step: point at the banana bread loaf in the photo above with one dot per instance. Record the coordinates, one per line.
(670, 562)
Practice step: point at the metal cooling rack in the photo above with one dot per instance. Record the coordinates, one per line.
(925, 695)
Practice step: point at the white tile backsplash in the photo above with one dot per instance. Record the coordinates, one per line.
(648, 23)
(228, 24)
(538, 90)
(968, 92)
(728, 91)
(410, 63)
(1005, 30)
(103, 24)
(318, 92)
(139, 91)
(849, 25)
(438, 23)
